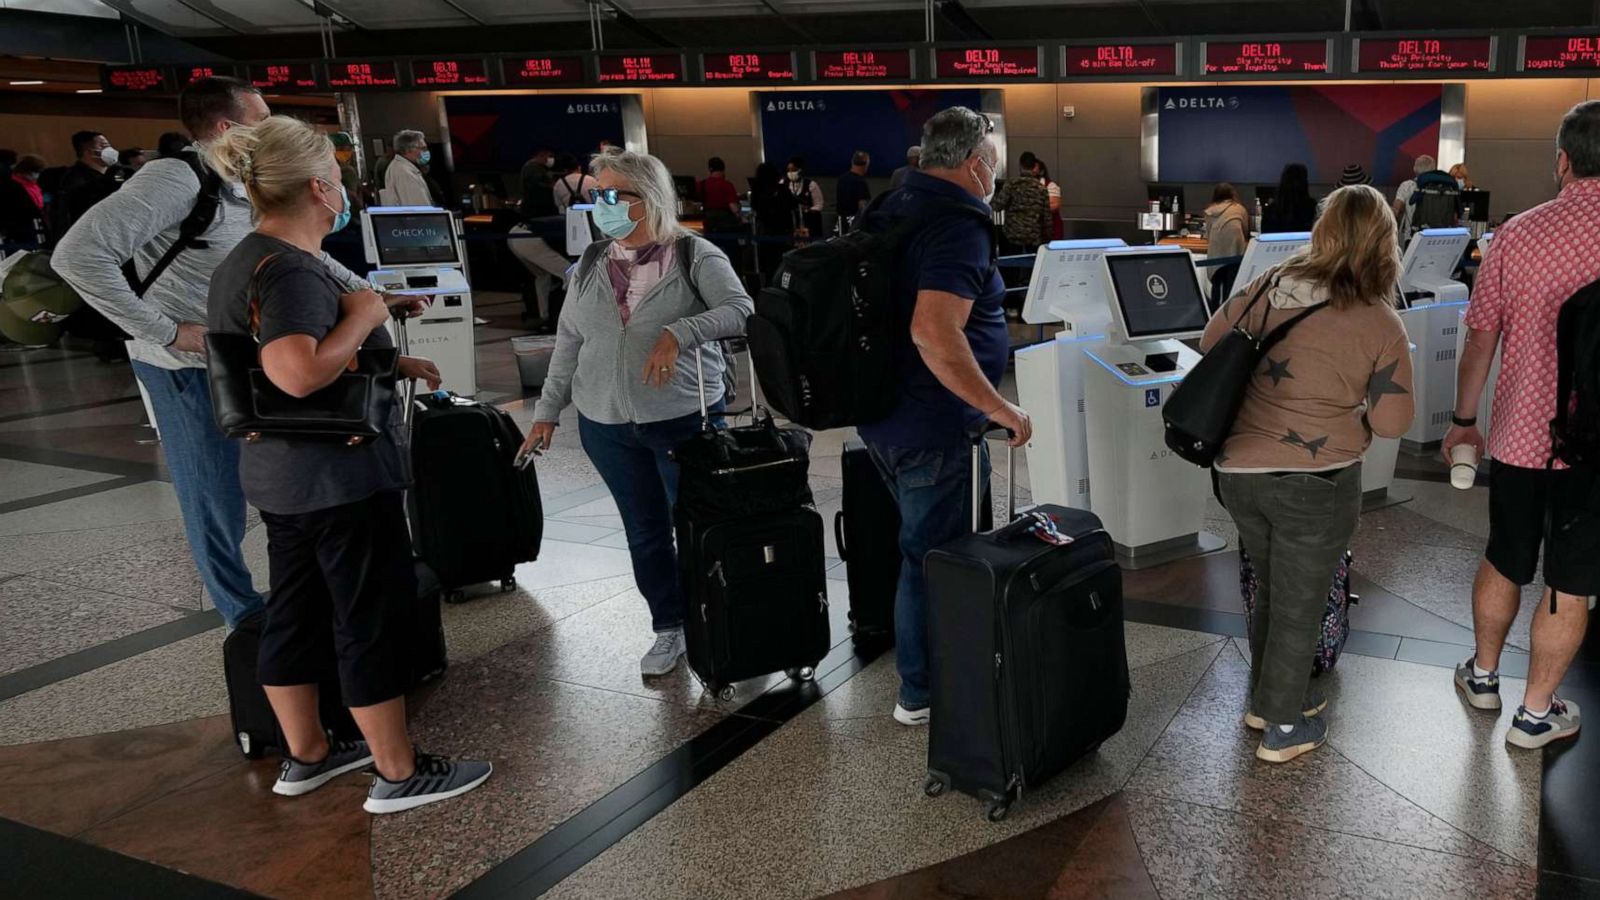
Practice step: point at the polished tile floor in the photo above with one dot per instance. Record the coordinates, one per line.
(114, 731)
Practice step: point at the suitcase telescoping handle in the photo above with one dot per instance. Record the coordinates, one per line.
(978, 484)
(402, 343)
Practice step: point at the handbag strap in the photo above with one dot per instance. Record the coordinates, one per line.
(255, 308)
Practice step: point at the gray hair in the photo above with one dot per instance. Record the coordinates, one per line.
(913, 152)
(860, 158)
(408, 140)
(1579, 136)
(952, 135)
(650, 178)
(1424, 163)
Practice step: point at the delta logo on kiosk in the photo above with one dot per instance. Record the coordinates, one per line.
(1201, 103)
(574, 109)
(797, 106)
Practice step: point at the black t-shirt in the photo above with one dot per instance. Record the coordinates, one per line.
(853, 193)
(298, 296)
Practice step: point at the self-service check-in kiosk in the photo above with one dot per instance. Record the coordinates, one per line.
(1486, 401)
(1434, 301)
(417, 250)
(1151, 500)
(1266, 251)
(1067, 287)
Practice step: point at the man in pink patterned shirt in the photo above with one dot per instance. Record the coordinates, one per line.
(1539, 259)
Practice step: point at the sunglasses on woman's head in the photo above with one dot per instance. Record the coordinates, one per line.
(610, 196)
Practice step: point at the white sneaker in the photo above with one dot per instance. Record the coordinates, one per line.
(664, 654)
(911, 716)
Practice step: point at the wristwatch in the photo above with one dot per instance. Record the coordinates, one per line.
(1462, 423)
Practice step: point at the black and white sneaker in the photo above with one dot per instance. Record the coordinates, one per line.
(296, 777)
(436, 778)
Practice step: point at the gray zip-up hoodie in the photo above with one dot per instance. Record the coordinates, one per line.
(599, 362)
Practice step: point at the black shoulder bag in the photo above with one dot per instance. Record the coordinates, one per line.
(1200, 413)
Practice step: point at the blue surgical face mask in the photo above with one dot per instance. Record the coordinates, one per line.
(426, 156)
(341, 216)
(612, 219)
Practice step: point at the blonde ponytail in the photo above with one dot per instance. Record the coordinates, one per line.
(273, 159)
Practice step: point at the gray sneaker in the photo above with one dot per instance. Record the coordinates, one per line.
(296, 777)
(664, 654)
(1277, 747)
(1481, 693)
(1314, 704)
(436, 778)
(1531, 733)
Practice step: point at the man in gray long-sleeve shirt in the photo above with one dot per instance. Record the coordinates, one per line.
(140, 222)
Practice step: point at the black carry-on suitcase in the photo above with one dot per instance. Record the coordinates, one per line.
(255, 728)
(1027, 663)
(750, 553)
(475, 514)
(867, 529)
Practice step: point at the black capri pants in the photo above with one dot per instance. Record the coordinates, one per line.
(343, 581)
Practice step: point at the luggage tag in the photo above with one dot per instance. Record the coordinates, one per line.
(1046, 529)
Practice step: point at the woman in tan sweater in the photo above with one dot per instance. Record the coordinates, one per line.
(1290, 473)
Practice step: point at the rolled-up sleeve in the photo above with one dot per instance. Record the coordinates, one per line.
(728, 304)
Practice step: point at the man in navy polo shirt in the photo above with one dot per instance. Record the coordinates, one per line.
(949, 302)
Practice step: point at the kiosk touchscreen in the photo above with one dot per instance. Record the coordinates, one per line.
(1067, 286)
(1151, 501)
(417, 249)
(1433, 319)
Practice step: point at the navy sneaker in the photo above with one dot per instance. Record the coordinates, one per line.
(1532, 732)
(1481, 693)
(1276, 747)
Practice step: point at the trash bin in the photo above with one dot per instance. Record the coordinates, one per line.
(533, 358)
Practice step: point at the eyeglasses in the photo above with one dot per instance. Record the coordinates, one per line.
(988, 124)
(610, 196)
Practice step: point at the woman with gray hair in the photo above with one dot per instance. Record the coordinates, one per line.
(403, 182)
(640, 299)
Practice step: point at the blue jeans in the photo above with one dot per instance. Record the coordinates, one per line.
(205, 475)
(933, 489)
(634, 463)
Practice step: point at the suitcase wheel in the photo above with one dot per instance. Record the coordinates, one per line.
(507, 585)
(725, 693)
(997, 810)
(801, 673)
(934, 786)
(455, 596)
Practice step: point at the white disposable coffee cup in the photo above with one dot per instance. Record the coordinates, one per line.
(1463, 466)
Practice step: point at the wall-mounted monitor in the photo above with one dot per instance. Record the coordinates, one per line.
(1266, 57)
(135, 80)
(188, 75)
(988, 63)
(766, 66)
(1560, 53)
(1120, 59)
(542, 71)
(378, 73)
(643, 68)
(450, 72)
(285, 77)
(1423, 55)
(863, 65)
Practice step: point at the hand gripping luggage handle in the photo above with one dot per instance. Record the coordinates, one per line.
(978, 436)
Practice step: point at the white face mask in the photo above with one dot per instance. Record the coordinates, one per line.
(794, 176)
(108, 155)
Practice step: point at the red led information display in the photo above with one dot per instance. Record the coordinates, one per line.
(1463, 54)
(300, 76)
(135, 79)
(1556, 54)
(188, 75)
(1266, 57)
(863, 65)
(987, 62)
(658, 69)
(731, 68)
(376, 74)
(1119, 59)
(469, 72)
(524, 71)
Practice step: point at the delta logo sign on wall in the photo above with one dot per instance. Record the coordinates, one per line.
(497, 132)
(825, 127)
(1248, 134)
(576, 109)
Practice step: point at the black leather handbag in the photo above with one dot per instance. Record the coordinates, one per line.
(355, 408)
(1200, 413)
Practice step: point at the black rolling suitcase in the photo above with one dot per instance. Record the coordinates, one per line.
(255, 728)
(1027, 663)
(750, 554)
(867, 529)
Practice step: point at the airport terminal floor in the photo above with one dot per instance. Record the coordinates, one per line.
(121, 779)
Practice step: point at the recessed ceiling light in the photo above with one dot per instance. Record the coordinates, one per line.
(88, 91)
(23, 83)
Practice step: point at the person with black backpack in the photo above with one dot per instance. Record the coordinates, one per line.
(949, 335)
(1538, 294)
(144, 257)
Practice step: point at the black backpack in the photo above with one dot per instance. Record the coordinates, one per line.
(193, 225)
(823, 335)
(1575, 430)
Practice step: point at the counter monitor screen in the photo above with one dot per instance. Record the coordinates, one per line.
(1122, 59)
(188, 75)
(664, 68)
(135, 80)
(1559, 54)
(531, 71)
(1158, 294)
(1266, 57)
(733, 68)
(468, 72)
(384, 73)
(1425, 55)
(863, 65)
(414, 238)
(300, 76)
(987, 63)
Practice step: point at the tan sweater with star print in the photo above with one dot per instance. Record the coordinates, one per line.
(1319, 396)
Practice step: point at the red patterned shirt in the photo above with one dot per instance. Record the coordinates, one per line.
(1537, 260)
